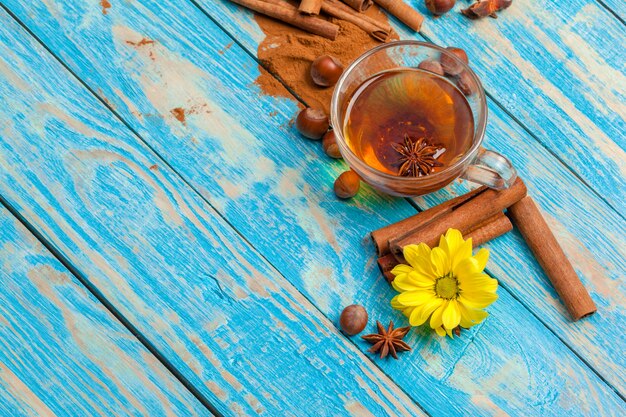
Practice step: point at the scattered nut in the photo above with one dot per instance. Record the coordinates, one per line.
(451, 66)
(312, 123)
(326, 70)
(353, 319)
(347, 185)
(439, 7)
(329, 143)
(465, 83)
(431, 66)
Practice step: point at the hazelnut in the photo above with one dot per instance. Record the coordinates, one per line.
(347, 185)
(353, 319)
(465, 83)
(329, 143)
(431, 66)
(326, 70)
(439, 7)
(451, 66)
(312, 123)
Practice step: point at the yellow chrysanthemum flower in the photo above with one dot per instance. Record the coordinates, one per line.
(446, 284)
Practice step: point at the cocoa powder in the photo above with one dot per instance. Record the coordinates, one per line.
(287, 53)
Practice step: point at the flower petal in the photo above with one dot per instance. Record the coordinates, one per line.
(451, 315)
(401, 269)
(414, 298)
(435, 319)
(482, 257)
(421, 314)
(463, 252)
(478, 282)
(440, 331)
(471, 317)
(465, 267)
(440, 261)
(419, 258)
(477, 299)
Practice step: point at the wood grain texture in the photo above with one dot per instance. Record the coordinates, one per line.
(283, 205)
(598, 252)
(558, 68)
(615, 6)
(222, 316)
(62, 352)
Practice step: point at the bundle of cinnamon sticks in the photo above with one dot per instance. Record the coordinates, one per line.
(479, 215)
(306, 16)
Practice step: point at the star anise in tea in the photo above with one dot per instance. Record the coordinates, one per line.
(388, 341)
(417, 156)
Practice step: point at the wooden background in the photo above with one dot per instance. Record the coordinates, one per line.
(155, 267)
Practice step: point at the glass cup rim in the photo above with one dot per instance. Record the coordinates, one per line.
(338, 128)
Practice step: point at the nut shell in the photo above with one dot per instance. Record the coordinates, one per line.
(347, 185)
(326, 70)
(312, 123)
(451, 66)
(431, 66)
(353, 319)
(439, 7)
(329, 143)
(465, 83)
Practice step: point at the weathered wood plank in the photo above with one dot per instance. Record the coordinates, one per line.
(560, 193)
(280, 202)
(223, 317)
(616, 6)
(62, 352)
(558, 68)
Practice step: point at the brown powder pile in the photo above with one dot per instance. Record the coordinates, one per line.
(288, 52)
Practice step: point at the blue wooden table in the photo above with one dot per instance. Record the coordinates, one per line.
(154, 267)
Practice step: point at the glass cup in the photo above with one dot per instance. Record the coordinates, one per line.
(476, 164)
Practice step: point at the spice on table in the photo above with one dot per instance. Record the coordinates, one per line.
(405, 13)
(388, 341)
(310, 7)
(347, 184)
(432, 66)
(484, 8)
(329, 144)
(376, 29)
(353, 319)
(439, 7)
(287, 53)
(359, 5)
(533, 227)
(289, 14)
(445, 286)
(382, 236)
(312, 123)
(417, 156)
(488, 230)
(326, 70)
(451, 66)
(473, 211)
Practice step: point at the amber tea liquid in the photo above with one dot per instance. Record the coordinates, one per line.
(408, 122)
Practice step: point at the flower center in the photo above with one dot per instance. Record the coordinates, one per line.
(447, 287)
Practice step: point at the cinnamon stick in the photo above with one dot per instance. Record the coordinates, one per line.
(492, 228)
(289, 14)
(374, 28)
(533, 227)
(310, 7)
(462, 217)
(382, 236)
(359, 5)
(403, 12)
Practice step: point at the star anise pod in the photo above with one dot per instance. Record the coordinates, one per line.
(417, 156)
(388, 341)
